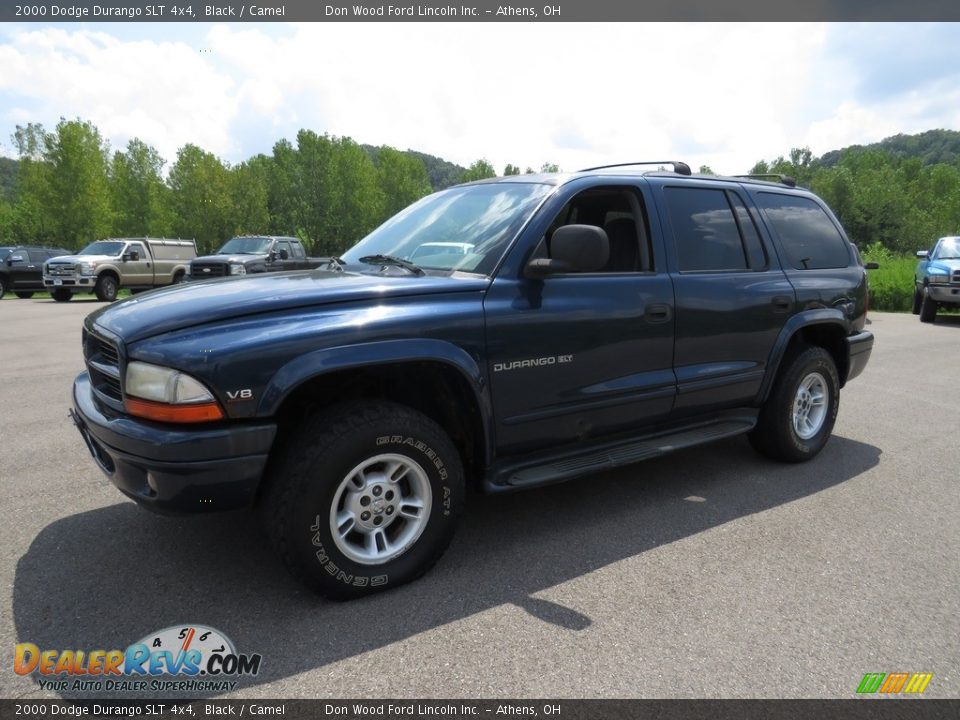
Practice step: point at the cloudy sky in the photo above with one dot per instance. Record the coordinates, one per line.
(724, 95)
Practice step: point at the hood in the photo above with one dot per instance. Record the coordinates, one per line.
(948, 265)
(207, 301)
(74, 259)
(229, 258)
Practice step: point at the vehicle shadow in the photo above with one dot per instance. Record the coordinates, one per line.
(106, 578)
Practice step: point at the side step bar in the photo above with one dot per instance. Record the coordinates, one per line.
(596, 459)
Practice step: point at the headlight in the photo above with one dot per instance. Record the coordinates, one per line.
(167, 395)
(87, 268)
(938, 279)
(237, 269)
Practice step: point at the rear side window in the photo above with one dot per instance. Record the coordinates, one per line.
(808, 236)
(705, 230)
(297, 250)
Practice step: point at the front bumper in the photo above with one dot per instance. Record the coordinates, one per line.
(944, 293)
(168, 468)
(859, 347)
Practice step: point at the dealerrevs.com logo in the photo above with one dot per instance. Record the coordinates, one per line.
(200, 657)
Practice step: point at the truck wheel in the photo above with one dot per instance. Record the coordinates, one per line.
(61, 295)
(4, 289)
(917, 300)
(24, 294)
(797, 419)
(928, 308)
(363, 498)
(106, 288)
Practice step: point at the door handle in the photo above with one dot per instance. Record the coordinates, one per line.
(781, 304)
(658, 313)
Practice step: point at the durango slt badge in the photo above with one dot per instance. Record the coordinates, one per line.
(532, 362)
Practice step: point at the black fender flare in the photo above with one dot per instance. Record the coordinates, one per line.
(387, 352)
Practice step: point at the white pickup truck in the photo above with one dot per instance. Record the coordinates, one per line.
(105, 266)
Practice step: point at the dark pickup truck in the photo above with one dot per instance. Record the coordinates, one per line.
(251, 254)
(504, 334)
(21, 269)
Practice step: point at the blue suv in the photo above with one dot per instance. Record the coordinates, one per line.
(502, 334)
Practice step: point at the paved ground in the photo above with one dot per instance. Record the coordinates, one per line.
(709, 573)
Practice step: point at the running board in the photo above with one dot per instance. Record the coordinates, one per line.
(610, 456)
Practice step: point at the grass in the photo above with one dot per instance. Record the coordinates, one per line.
(891, 286)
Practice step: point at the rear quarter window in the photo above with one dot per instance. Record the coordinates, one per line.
(807, 234)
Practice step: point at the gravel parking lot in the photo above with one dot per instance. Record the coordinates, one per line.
(711, 572)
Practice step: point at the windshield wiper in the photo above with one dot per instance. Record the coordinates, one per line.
(391, 260)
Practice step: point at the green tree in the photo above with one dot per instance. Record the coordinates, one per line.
(511, 170)
(706, 170)
(549, 168)
(140, 198)
(30, 217)
(79, 191)
(402, 178)
(479, 170)
(249, 182)
(201, 198)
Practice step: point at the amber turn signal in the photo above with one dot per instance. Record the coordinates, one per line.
(162, 412)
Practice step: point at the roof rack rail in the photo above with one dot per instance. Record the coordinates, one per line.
(681, 168)
(785, 179)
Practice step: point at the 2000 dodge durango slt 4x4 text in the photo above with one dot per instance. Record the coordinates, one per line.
(505, 333)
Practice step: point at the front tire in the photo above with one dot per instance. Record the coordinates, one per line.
(917, 301)
(363, 498)
(61, 295)
(106, 288)
(798, 417)
(4, 287)
(928, 308)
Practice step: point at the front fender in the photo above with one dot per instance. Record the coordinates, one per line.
(320, 362)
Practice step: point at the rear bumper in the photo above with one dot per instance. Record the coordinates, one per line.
(170, 468)
(859, 347)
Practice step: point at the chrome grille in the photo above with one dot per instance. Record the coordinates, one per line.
(956, 277)
(200, 270)
(103, 365)
(61, 270)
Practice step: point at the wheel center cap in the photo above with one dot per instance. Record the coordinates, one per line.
(378, 505)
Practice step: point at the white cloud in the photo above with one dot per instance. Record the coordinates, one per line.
(572, 94)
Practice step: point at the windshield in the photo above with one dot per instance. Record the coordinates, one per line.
(103, 247)
(465, 228)
(949, 250)
(4, 251)
(246, 246)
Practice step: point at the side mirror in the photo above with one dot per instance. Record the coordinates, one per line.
(923, 253)
(573, 248)
(872, 266)
(284, 255)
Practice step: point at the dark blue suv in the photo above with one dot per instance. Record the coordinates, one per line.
(505, 334)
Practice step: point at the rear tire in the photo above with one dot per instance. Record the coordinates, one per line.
(24, 294)
(61, 295)
(917, 300)
(798, 417)
(363, 498)
(106, 288)
(4, 289)
(928, 308)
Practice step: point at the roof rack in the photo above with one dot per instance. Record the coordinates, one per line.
(785, 179)
(681, 168)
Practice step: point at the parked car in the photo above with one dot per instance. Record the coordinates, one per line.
(252, 254)
(105, 266)
(598, 319)
(937, 278)
(21, 269)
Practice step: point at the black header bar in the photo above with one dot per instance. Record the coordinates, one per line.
(45, 11)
